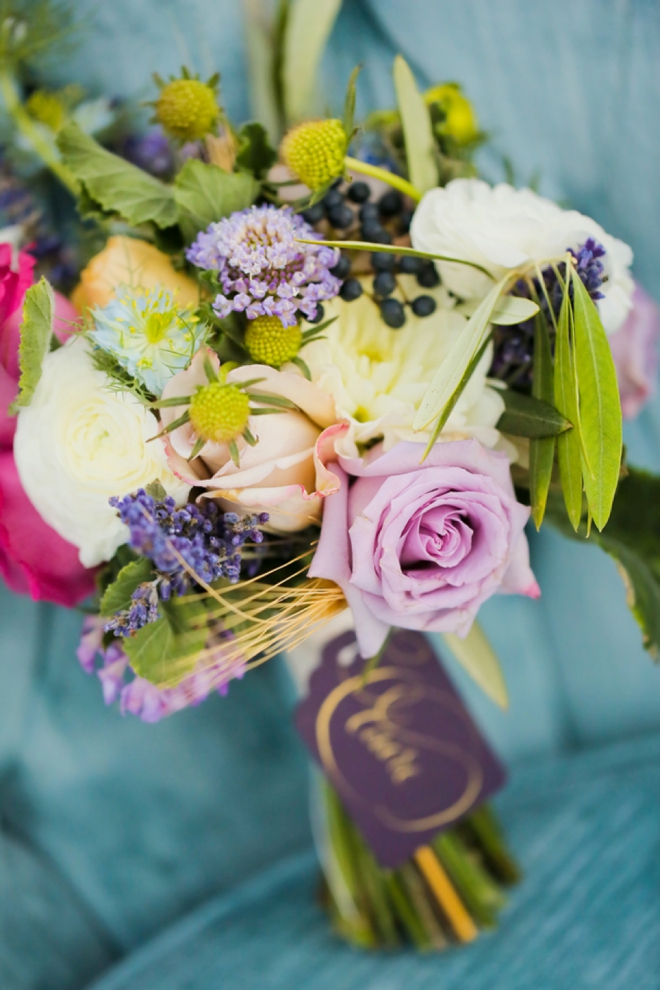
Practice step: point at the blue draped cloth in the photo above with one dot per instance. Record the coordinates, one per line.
(112, 829)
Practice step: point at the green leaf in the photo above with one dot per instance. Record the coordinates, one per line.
(205, 193)
(527, 416)
(569, 451)
(255, 153)
(476, 655)
(165, 651)
(508, 311)
(261, 67)
(115, 184)
(36, 332)
(349, 103)
(308, 28)
(417, 129)
(541, 451)
(632, 539)
(117, 596)
(600, 406)
(448, 380)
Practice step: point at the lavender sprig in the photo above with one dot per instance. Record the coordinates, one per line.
(514, 345)
(206, 539)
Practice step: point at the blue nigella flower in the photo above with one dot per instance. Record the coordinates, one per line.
(148, 334)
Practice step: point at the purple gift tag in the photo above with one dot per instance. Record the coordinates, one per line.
(401, 749)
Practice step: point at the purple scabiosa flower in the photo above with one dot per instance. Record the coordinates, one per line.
(262, 269)
(138, 696)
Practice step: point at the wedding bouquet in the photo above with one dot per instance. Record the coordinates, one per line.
(340, 375)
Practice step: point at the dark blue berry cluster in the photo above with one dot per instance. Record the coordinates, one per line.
(514, 345)
(205, 539)
(350, 211)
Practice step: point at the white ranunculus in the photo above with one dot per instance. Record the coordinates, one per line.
(80, 442)
(502, 228)
(378, 376)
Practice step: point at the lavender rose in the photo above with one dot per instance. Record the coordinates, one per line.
(423, 545)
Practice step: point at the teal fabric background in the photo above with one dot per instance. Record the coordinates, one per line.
(110, 828)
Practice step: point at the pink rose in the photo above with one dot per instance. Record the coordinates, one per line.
(635, 352)
(423, 545)
(34, 560)
(285, 473)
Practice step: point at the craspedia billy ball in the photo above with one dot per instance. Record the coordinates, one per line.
(268, 341)
(219, 412)
(315, 151)
(187, 109)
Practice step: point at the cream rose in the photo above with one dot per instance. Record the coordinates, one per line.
(78, 443)
(502, 228)
(377, 377)
(285, 473)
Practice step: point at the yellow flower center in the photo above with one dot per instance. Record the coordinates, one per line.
(157, 325)
(269, 342)
(219, 412)
(315, 151)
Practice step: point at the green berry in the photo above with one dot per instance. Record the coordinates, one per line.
(187, 109)
(315, 151)
(219, 412)
(269, 342)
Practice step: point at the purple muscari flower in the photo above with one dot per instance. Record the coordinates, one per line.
(205, 539)
(514, 345)
(262, 269)
(138, 696)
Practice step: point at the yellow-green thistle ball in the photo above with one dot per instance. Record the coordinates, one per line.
(269, 342)
(47, 108)
(219, 412)
(460, 118)
(315, 151)
(187, 109)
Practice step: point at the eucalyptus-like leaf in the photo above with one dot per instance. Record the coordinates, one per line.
(449, 376)
(36, 332)
(509, 310)
(114, 183)
(541, 450)
(308, 27)
(600, 406)
(527, 416)
(477, 656)
(417, 130)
